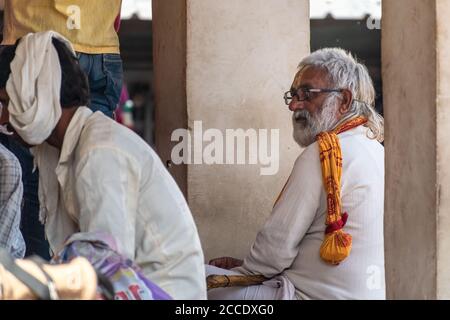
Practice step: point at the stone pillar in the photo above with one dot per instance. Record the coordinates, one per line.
(416, 84)
(227, 64)
(169, 61)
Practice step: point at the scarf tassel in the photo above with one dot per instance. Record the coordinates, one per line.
(337, 244)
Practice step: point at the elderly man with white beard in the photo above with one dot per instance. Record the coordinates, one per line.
(324, 237)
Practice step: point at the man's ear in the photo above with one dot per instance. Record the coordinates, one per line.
(346, 101)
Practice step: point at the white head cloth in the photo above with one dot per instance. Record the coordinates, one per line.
(34, 87)
(34, 108)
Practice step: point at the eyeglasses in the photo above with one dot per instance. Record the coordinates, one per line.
(305, 94)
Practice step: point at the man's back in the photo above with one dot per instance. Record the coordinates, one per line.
(291, 239)
(361, 275)
(116, 183)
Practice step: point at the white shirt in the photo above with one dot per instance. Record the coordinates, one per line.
(111, 181)
(289, 243)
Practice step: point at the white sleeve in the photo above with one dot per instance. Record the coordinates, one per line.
(107, 186)
(277, 244)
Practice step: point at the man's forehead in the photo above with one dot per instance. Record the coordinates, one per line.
(310, 77)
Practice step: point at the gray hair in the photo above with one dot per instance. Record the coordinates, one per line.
(345, 72)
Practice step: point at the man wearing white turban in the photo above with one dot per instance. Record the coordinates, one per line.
(96, 42)
(94, 174)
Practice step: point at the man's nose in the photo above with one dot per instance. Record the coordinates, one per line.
(295, 104)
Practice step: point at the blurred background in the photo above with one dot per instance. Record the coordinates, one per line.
(353, 25)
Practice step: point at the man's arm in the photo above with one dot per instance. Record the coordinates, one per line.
(277, 244)
(2, 5)
(106, 192)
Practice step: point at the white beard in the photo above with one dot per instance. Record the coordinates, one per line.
(307, 126)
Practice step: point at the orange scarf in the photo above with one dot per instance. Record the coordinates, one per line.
(337, 244)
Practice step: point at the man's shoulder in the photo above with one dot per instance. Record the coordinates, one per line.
(359, 142)
(310, 153)
(102, 133)
(363, 157)
(361, 134)
(102, 130)
(308, 160)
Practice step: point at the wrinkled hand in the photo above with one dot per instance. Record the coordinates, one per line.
(226, 262)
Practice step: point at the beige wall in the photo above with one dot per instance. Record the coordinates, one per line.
(240, 58)
(416, 76)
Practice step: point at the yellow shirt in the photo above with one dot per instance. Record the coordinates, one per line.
(88, 24)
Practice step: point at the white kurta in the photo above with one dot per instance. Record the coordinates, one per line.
(110, 180)
(290, 241)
